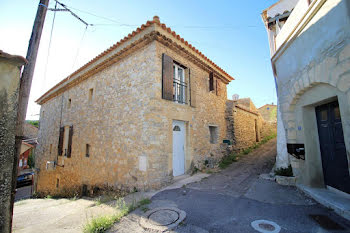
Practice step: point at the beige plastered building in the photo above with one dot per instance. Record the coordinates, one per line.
(310, 58)
(149, 108)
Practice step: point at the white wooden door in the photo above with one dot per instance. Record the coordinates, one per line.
(179, 136)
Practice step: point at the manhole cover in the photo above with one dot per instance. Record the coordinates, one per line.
(162, 219)
(265, 226)
(326, 223)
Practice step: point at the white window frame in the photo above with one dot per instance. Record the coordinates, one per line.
(179, 93)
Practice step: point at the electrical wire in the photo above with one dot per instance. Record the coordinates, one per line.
(49, 48)
(117, 23)
(80, 44)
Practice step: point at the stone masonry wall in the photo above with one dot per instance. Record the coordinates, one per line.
(269, 112)
(30, 131)
(9, 87)
(114, 124)
(241, 126)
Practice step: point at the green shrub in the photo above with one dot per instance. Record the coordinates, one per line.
(33, 122)
(284, 171)
(31, 160)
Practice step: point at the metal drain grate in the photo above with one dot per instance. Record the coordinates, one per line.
(326, 223)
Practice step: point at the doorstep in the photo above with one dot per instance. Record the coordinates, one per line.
(330, 199)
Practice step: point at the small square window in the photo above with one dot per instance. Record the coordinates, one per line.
(87, 150)
(213, 134)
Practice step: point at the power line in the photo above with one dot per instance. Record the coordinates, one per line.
(117, 23)
(48, 50)
(80, 44)
(105, 18)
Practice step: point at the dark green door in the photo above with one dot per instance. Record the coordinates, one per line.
(333, 151)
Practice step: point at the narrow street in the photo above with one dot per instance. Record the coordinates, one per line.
(229, 201)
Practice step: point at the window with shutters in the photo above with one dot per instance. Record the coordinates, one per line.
(211, 81)
(65, 141)
(177, 82)
(60, 141)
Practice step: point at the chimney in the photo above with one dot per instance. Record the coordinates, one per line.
(156, 19)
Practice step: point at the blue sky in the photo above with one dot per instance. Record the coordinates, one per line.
(231, 33)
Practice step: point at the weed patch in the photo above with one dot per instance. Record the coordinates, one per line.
(145, 201)
(48, 197)
(233, 157)
(103, 223)
(284, 171)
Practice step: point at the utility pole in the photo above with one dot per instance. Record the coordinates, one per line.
(24, 91)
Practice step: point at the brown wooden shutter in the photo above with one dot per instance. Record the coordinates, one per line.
(192, 89)
(167, 77)
(211, 81)
(69, 152)
(60, 141)
(218, 87)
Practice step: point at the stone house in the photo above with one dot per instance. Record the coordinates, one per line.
(269, 112)
(311, 64)
(245, 125)
(149, 108)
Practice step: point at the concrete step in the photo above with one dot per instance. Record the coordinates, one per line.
(330, 199)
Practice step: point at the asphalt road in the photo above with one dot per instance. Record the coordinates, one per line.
(23, 192)
(229, 201)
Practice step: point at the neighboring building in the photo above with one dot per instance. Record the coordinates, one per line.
(245, 125)
(29, 142)
(149, 108)
(10, 72)
(26, 150)
(274, 18)
(30, 131)
(311, 64)
(269, 112)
